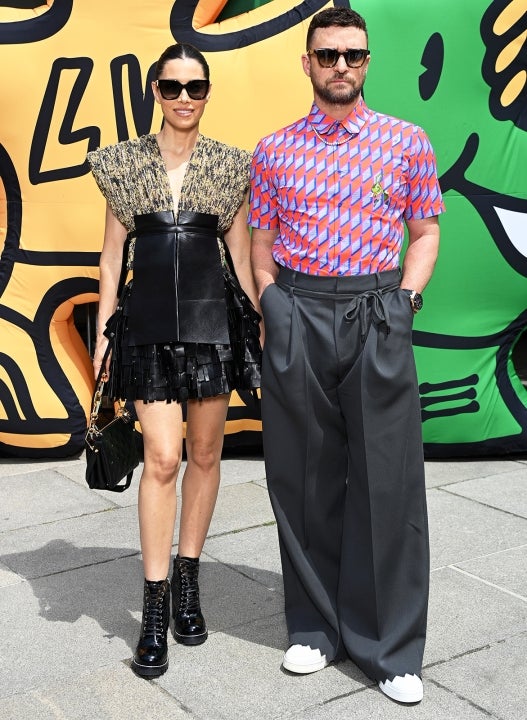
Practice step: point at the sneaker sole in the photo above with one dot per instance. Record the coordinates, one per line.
(304, 669)
(401, 697)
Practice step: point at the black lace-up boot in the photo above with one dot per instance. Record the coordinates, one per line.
(189, 624)
(151, 655)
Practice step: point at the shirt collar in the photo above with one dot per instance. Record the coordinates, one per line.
(326, 125)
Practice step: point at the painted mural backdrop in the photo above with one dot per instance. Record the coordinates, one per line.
(76, 75)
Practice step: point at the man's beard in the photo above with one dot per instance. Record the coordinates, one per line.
(338, 97)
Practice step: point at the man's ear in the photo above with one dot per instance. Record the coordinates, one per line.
(306, 64)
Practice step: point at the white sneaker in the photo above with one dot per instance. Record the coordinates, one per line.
(407, 689)
(302, 659)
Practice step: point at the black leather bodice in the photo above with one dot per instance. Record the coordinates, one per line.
(178, 291)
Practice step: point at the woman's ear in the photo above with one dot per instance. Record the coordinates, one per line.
(155, 90)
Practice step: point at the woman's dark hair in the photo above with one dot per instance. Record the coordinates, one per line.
(182, 51)
(335, 17)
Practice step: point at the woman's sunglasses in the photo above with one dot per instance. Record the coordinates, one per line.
(329, 57)
(171, 89)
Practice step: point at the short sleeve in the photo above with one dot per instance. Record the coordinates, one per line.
(107, 166)
(424, 197)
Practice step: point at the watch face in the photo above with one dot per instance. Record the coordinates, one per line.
(417, 301)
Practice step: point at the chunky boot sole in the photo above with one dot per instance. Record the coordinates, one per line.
(149, 671)
(190, 639)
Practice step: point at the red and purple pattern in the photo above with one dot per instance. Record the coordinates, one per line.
(340, 203)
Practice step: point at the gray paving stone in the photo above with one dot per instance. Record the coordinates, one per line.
(239, 677)
(71, 543)
(461, 529)
(231, 600)
(7, 577)
(507, 491)
(234, 471)
(35, 498)
(123, 499)
(239, 507)
(262, 482)
(77, 583)
(19, 466)
(72, 622)
(109, 693)
(444, 472)
(371, 704)
(241, 470)
(253, 552)
(506, 569)
(492, 678)
(93, 615)
(466, 615)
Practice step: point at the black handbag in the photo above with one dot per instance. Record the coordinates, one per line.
(110, 443)
(111, 450)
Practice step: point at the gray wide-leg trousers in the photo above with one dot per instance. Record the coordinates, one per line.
(345, 471)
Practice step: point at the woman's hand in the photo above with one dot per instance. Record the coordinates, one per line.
(100, 349)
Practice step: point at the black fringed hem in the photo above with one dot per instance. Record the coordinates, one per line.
(176, 372)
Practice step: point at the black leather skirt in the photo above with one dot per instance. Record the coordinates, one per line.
(185, 329)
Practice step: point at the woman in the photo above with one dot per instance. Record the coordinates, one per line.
(187, 331)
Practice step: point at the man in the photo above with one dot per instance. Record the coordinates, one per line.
(341, 416)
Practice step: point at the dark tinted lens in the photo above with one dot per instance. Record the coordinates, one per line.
(355, 57)
(170, 89)
(197, 89)
(327, 57)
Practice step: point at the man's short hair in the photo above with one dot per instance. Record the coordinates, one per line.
(335, 17)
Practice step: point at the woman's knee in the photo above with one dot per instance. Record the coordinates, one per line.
(204, 455)
(162, 466)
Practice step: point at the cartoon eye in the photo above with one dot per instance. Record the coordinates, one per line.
(432, 59)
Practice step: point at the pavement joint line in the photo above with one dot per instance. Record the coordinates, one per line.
(66, 519)
(291, 716)
(481, 557)
(496, 552)
(479, 502)
(464, 699)
(472, 651)
(487, 582)
(170, 697)
(226, 629)
(75, 567)
(448, 483)
(243, 574)
(236, 531)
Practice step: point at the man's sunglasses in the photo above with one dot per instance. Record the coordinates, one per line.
(172, 89)
(329, 57)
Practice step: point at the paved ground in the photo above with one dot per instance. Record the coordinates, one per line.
(71, 593)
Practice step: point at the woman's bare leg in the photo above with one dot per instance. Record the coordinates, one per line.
(199, 488)
(162, 428)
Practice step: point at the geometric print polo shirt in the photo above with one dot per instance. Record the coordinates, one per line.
(340, 191)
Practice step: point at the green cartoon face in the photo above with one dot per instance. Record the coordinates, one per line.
(460, 72)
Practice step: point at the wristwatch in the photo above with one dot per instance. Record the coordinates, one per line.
(416, 299)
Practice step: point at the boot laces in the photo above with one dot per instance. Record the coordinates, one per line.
(189, 589)
(153, 613)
